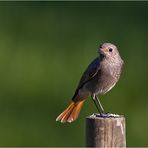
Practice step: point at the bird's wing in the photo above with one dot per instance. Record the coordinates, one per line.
(89, 73)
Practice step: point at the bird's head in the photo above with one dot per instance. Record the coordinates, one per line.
(108, 50)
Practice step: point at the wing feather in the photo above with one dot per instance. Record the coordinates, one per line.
(89, 73)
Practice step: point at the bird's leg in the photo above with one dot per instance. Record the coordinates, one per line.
(99, 108)
(99, 103)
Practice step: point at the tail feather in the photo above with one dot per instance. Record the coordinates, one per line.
(75, 112)
(71, 112)
(64, 113)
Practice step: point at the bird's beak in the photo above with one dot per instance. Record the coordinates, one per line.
(105, 50)
(102, 50)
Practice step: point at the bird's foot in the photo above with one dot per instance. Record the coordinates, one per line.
(106, 115)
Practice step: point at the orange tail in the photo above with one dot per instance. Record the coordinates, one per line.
(71, 112)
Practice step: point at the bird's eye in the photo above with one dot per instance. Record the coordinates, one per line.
(110, 49)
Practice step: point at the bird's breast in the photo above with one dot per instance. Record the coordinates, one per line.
(107, 77)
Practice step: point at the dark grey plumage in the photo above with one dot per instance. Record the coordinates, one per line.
(102, 74)
(100, 77)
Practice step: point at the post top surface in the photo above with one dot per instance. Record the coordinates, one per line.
(104, 116)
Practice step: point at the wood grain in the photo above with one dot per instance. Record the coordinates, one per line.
(105, 132)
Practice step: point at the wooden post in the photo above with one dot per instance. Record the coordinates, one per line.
(105, 131)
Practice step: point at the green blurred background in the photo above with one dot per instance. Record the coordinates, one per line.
(44, 49)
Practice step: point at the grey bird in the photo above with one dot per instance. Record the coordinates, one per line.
(100, 76)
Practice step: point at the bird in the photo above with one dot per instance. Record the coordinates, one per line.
(100, 76)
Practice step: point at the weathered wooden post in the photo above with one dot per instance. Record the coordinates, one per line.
(108, 131)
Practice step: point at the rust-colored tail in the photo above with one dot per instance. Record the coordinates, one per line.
(71, 112)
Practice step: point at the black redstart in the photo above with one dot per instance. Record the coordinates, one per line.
(100, 77)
